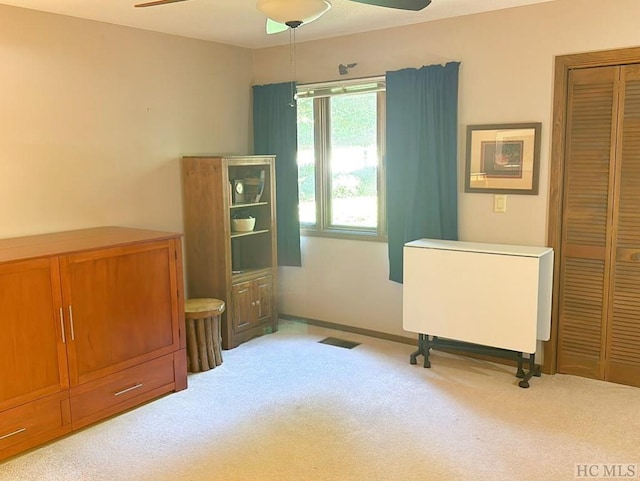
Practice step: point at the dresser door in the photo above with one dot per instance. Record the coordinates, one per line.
(33, 359)
(122, 307)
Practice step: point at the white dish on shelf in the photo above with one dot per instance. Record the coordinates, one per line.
(243, 225)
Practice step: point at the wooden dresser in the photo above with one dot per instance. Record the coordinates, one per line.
(92, 324)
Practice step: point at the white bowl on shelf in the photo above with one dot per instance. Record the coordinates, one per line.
(243, 225)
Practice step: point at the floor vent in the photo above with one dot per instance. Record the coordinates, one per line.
(334, 341)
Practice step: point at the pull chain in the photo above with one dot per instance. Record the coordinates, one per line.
(292, 63)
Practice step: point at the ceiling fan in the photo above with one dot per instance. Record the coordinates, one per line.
(284, 14)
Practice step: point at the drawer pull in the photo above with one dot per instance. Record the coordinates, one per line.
(21, 430)
(137, 386)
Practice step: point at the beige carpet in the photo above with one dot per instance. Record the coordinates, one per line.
(285, 407)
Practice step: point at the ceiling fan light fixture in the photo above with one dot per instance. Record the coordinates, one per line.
(283, 11)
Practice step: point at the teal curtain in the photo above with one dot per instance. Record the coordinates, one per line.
(421, 157)
(275, 132)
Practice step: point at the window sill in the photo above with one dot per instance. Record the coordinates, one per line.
(344, 234)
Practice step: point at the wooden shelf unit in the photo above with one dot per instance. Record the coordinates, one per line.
(239, 268)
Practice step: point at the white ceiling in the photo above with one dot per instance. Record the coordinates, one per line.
(237, 22)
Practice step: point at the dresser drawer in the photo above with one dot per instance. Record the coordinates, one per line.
(119, 391)
(33, 423)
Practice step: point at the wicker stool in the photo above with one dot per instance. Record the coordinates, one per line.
(202, 317)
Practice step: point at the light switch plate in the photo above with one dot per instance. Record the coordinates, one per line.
(500, 203)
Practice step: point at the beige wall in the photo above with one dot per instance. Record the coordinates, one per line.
(95, 117)
(506, 75)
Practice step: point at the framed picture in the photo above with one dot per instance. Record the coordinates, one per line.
(503, 158)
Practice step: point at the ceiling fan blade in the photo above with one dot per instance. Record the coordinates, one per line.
(275, 27)
(414, 5)
(158, 2)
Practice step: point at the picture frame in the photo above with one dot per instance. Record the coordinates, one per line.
(503, 158)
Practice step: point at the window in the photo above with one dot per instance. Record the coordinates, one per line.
(340, 145)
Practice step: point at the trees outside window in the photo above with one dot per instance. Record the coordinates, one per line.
(340, 145)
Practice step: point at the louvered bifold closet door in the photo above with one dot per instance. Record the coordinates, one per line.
(586, 223)
(623, 335)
